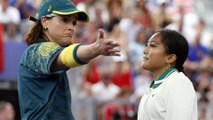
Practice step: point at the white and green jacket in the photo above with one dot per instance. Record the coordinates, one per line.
(170, 97)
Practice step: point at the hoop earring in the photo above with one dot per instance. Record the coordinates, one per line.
(45, 28)
(168, 65)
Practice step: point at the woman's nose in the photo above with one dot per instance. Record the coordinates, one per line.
(145, 50)
(72, 25)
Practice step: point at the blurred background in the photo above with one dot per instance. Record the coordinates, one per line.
(109, 88)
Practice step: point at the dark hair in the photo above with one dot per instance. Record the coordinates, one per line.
(35, 32)
(175, 43)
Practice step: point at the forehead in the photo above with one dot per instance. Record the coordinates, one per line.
(155, 38)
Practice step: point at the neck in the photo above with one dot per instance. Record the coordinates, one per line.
(157, 73)
(161, 77)
(45, 37)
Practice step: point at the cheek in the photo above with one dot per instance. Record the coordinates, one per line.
(156, 60)
(158, 56)
(57, 30)
(55, 25)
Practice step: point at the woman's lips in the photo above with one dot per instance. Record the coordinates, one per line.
(68, 34)
(145, 58)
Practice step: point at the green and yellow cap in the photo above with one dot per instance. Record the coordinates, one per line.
(51, 8)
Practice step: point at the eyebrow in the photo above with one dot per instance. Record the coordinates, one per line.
(154, 42)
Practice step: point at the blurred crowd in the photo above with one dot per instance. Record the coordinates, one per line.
(109, 88)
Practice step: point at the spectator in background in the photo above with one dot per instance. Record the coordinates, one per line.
(78, 1)
(183, 21)
(121, 108)
(135, 48)
(91, 73)
(83, 107)
(197, 51)
(131, 21)
(12, 32)
(122, 73)
(114, 8)
(209, 108)
(161, 18)
(181, 10)
(202, 88)
(8, 13)
(91, 33)
(36, 4)
(146, 18)
(98, 19)
(105, 90)
(7, 111)
(141, 83)
(198, 54)
(97, 11)
(25, 7)
(176, 23)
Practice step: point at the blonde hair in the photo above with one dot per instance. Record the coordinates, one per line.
(34, 33)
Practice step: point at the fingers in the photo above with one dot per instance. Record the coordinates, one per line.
(111, 43)
(111, 48)
(113, 52)
(101, 34)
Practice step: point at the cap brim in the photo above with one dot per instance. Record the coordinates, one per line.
(82, 16)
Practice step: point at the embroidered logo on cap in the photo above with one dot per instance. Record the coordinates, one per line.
(49, 8)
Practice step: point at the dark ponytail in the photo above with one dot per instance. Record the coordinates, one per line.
(34, 33)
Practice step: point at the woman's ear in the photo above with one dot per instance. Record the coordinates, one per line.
(44, 22)
(172, 58)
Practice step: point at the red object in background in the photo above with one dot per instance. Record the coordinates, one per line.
(93, 77)
(1, 48)
(77, 1)
(123, 80)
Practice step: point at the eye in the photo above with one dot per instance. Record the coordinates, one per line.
(65, 19)
(152, 45)
(74, 23)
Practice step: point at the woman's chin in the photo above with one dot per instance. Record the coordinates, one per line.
(143, 65)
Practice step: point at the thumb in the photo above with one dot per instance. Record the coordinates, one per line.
(101, 33)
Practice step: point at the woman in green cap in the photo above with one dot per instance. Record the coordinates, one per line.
(42, 82)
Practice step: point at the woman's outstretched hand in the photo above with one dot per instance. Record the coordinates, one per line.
(105, 46)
